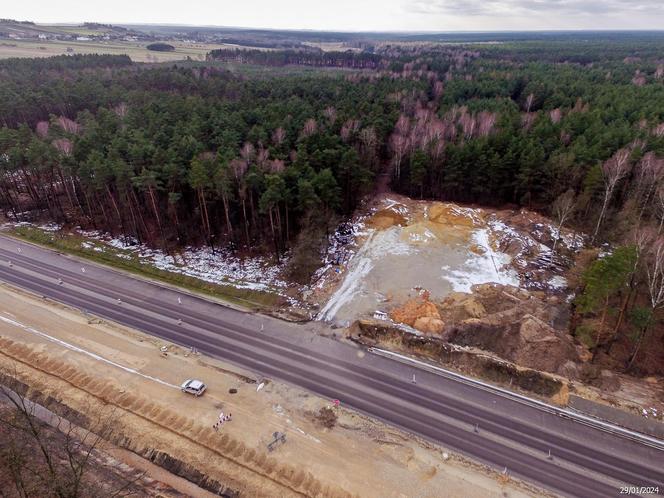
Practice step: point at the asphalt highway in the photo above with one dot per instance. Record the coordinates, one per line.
(558, 453)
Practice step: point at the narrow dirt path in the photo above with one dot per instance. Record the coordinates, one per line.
(384, 179)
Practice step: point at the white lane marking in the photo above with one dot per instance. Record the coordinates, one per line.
(597, 423)
(83, 351)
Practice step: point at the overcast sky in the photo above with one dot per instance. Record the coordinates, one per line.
(355, 15)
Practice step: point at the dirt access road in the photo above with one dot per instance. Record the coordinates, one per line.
(104, 356)
(493, 429)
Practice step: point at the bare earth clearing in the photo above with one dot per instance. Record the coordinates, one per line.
(85, 365)
(404, 245)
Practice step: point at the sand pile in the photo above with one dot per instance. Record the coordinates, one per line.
(419, 313)
(519, 326)
(386, 218)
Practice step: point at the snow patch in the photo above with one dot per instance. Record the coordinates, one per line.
(218, 267)
(377, 245)
(558, 282)
(50, 227)
(489, 266)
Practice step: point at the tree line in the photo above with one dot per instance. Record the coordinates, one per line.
(175, 156)
(300, 57)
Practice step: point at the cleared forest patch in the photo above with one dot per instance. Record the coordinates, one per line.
(403, 246)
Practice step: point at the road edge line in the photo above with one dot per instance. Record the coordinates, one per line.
(535, 403)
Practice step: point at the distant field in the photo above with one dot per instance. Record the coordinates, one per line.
(32, 30)
(135, 50)
(78, 30)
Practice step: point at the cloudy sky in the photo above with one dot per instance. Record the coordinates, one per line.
(356, 15)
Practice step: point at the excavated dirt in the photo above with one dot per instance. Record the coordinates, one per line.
(523, 327)
(403, 245)
(514, 324)
(513, 337)
(470, 361)
(419, 313)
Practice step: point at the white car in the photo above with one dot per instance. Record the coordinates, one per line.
(193, 386)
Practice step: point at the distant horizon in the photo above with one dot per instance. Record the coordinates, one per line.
(392, 16)
(377, 31)
(428, 32)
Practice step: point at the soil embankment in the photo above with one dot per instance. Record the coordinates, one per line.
(470, 361)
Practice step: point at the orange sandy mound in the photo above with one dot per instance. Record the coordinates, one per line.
(429, 325)
(419, 313)
(386, 218)
(449, 214)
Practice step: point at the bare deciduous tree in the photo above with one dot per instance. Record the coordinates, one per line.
(487, 120)
(580, 106)
(528, 119)
(68, 125)
(642, 237)
(47, 455)
(438, 88)
(468, 124)
(654, 271)
(330, 114)
(562, 208)
(349, 128)
(639, 78)
(121, 109)
(660, 207)
(650, 175)
(248, 151)
(262, 157)
(556, 115)
(613, 170)
(369, 144)
(278, 136)
(239, 168)
(42, 129)
(655, 274)
(399, 145)
(64, 146)
(310, 127)
(277, 166)
(658, 130)
(402, 126)
(529, 102)
(659, 72)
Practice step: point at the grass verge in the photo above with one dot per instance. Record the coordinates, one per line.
(126, 260)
